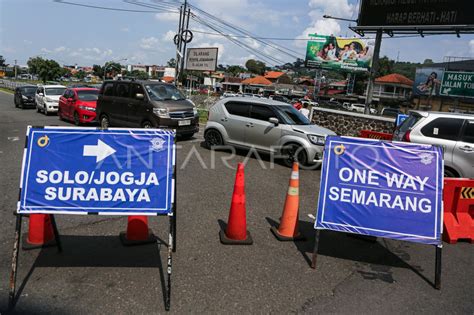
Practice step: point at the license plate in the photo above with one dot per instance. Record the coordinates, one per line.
(184, 122)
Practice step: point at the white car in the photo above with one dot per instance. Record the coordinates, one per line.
(47, 98)
(360, 108)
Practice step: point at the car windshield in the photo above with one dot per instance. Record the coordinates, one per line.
(291, 116)
(28, 90)
(164, 92)
(88, 95)
(55, 91)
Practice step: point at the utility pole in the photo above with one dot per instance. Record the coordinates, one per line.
(178, 46)
(184, 14)
(187, 15)
(373, 71)
(15, 69)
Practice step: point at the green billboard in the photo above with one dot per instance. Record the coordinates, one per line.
(455, 83)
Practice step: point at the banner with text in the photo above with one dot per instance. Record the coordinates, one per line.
(459, 84)
(336, 53)
(383, 189)
(86, 170)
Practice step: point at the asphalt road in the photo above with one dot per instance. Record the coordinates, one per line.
(96, 275)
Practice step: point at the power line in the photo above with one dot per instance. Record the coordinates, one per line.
(241, 44)
(253, 36)
(107, 8)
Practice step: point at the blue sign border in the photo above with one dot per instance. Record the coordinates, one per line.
(170, 191)
(438, 226)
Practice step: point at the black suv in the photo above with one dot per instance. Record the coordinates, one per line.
(146, 104)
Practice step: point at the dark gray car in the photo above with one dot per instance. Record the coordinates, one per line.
(146, 104)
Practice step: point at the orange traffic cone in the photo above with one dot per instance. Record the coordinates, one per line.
(236, 232)
(40, 232)
(138, 232)
(288, 230)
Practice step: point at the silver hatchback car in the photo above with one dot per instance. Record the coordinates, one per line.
(268, 126)
(454, 132)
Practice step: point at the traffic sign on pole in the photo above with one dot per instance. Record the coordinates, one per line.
(460, 84)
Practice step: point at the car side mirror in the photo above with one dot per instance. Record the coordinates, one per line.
(274, 120)
(139, 96)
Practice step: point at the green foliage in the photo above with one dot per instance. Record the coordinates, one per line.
(98, 71)
(112, 67)
(46, 69)
(235, 69)
(255, 66)
(2, 61)
(80, 75)
(171, 63)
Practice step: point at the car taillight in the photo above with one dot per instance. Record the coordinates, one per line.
(406, 136)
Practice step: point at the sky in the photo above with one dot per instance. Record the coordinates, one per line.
(85, 36)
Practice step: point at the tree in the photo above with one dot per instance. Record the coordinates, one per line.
(428, 62)
(46, 69)
(385, 66)
(2, 61)
(112, 67)
(171, 63)
(98, 71)
(235, 69)
(80, 75)
(255, 66)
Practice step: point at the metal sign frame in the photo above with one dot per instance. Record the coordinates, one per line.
(12, 298)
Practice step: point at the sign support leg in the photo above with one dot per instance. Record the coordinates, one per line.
(315, 250)
(16, 247)
(169, 265)
(439, 249)
(56, 233)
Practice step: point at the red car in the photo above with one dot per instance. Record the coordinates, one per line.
(78, 105)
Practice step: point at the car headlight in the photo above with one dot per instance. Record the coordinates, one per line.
(161, 112)
(195, 111)
(24, 97)
(49, 99)
(315, 139)
(92, 109)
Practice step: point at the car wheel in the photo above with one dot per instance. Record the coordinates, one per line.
(294, 153)
(77, 121)
(104, 122)
(213, 138)
(147, 125)
(450, 173)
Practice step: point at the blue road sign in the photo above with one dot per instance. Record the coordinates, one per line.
(86, 170)
(401, 118)
(383, 189)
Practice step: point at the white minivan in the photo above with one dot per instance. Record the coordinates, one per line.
(47, 98)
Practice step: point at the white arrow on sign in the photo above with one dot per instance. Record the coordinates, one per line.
(446, 90)
(100, 151)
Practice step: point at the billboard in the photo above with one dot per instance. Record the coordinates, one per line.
(427, 81)
(456, 83)
(383, 189)
(202, 59)
(394, 14)
(337, 53)
(87, 170)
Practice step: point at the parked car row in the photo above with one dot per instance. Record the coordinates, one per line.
(120, 103)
